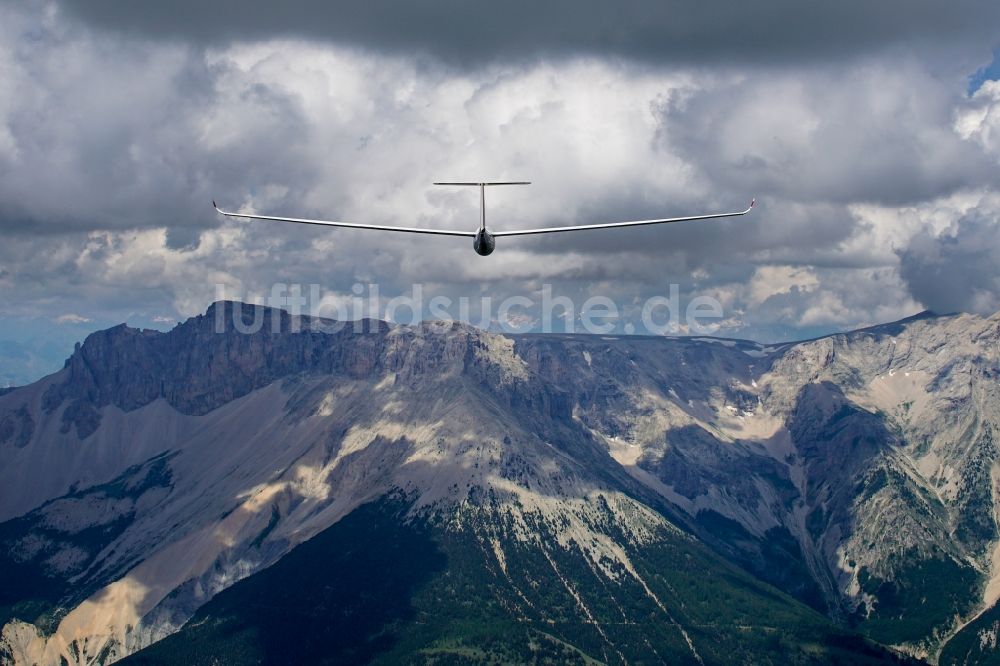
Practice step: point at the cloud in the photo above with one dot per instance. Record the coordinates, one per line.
(879, 132)
(70, 318)
(979, 120)
(467, 34)
(112, 146)
(951, 266)
(956, 269)
(770, 281)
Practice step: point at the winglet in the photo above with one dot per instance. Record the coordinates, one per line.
(753, 202)
(216, 207)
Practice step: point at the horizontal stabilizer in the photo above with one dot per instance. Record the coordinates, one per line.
(508, 182)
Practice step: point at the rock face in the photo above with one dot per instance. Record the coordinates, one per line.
(210, 360)
(561, 487)
(857, 472)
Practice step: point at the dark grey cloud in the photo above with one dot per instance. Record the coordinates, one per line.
(956, 270)
(125, 147)
(880, 133)
(468, 33)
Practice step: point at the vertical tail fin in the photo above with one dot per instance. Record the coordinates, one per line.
(482, 194)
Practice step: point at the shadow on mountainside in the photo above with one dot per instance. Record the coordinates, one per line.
(339, 598)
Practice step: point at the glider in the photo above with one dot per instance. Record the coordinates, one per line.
(484, 241)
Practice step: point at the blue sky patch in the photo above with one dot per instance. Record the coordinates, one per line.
(990, 72)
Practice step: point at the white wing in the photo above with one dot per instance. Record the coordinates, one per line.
(612, 225)
(352, 225)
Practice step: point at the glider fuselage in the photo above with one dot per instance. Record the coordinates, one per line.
(484, 243)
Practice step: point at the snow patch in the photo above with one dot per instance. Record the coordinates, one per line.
(717, 341)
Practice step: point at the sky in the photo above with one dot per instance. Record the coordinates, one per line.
(869, 134)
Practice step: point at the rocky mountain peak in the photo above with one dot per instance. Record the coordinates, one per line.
(856, 473)
(235, 348)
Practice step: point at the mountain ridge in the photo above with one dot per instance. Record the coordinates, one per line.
(736, 444)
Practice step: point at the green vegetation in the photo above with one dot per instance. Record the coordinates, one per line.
(924, 595)
(976, 644)
(376, 588)
(776, 559)
(976, 525)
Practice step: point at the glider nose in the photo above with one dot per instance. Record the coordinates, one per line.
(484, 243)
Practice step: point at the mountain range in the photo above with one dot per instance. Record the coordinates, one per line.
(253, 487)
